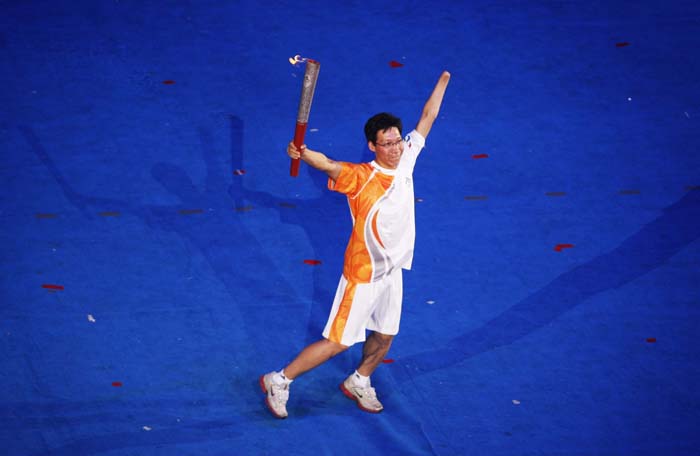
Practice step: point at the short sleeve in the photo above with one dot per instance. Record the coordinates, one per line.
(416, 139)
(348, 181)
(414, 144)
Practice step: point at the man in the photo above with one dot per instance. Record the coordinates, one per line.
(369, 295)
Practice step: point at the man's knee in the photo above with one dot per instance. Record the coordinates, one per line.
(383, 339)
(334, 348)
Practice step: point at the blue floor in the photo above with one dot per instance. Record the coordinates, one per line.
(153, 245)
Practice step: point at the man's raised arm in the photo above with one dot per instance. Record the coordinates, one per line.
(432, 106)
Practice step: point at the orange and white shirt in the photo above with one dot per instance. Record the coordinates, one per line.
(382, 206)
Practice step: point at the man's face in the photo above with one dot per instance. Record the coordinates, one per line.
(388, 148)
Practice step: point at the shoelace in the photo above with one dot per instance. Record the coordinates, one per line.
(371, 393)
(368, 393)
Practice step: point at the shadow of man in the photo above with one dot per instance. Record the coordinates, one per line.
(644, 251)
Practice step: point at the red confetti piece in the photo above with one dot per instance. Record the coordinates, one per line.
(117, 384)
(387, 361)
(395, 64)
(239, 172)
(651, 340)
(623, 44)
(478, 156)
(52, 287)
(168, 82)
(312, 262)
(560, 247)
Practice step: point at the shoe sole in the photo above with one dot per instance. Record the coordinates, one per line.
(267, 403)
(352, 397)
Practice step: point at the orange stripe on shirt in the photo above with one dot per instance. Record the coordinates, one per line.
(375, 230)
(341, 318)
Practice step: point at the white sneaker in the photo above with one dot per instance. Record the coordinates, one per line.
(277, 395)
(366, 398)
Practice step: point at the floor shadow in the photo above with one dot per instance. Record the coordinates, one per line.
(646, 250)
(233, 250)
(325, 221)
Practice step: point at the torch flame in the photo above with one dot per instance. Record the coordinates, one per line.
(297, 59)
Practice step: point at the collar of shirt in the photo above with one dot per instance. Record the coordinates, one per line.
(381, 169)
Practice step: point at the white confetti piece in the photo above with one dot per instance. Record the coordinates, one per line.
(686, 114)
(430, 302)
(314, 130)
(90, 318)
(629, 98)
(516, 402)
(147, 428)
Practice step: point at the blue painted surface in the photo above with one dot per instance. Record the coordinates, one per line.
(523, 350)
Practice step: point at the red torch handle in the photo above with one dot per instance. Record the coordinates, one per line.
(299, 133)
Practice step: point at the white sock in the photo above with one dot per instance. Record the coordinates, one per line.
(360, 380)
(279, 378)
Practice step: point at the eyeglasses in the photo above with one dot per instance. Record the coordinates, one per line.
(390, 145)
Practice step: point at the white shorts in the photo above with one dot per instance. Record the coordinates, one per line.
(357, 307)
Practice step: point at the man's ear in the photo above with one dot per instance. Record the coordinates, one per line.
(371, 146)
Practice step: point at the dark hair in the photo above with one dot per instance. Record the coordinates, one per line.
(381, 122)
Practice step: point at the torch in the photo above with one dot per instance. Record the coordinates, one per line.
(307, 95)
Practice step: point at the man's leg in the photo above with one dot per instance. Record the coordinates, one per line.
(373, 352)
(276, 386)
(313, 356)
(357, 386)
